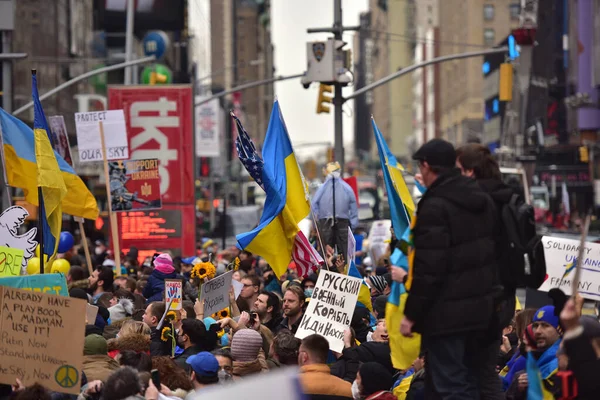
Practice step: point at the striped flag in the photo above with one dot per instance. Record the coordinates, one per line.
(305, 256)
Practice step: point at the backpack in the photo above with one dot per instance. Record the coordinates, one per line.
(523, 262)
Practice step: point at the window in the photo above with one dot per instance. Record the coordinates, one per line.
(488, 12)
(515, 11)
(489, 37)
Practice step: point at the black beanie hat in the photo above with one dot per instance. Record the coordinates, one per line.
(375, 378)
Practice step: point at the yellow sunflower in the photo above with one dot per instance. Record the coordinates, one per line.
(236, 263)
(224, 313)
(220, 333)
(165, 334)
(201, 270)
(172, 316)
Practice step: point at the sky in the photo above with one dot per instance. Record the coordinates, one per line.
(289, 21)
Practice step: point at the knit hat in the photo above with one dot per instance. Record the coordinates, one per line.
(163, 263)
(546, 314)
(378, 283)
(246, 345)
(375, 378)
(95, 345)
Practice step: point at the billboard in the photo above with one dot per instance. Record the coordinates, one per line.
(134, 185)
(159, 126)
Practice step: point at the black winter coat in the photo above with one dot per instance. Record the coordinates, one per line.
(454, 258)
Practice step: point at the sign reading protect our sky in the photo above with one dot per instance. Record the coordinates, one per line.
(89, 142)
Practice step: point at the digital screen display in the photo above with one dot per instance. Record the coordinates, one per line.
(148, 225)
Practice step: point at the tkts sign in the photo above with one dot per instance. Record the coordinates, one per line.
(159, 125)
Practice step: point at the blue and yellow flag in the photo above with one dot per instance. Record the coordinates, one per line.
(286, 203)
(535, 386)
(50, 182)
(364, 293)
(22, 170)
(402, 206)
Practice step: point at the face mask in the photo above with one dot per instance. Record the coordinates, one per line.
(308, 292)
(356, 391)
(98, 251)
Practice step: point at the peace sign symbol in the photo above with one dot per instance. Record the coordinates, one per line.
(66, 376)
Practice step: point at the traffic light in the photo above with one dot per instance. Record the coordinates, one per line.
(506, 82)
(583, 154)
(322, 106)
(204, 167)
(156, 77)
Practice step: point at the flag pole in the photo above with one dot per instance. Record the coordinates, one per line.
(86, 249)
(41, 212)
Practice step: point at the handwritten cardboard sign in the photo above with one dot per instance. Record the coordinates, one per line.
(11, 220)
(561, 258)
(89, 142)
(47, 283)
(174, 293)
(330, 310)
(90, 314)
(215, 293)
(41, 339)
(10, 261)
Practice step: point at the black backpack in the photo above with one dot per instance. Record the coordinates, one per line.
(523, 262)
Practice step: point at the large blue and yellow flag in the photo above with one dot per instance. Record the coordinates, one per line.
(22, 169)
(50, 182)
(402, 206)
(535, 386)
(364, 293)
(286, 203)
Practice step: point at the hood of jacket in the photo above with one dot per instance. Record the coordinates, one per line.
(498, 190)
(463, 192)
(99, 367)
(121, 310)
(82, 284)
(243, 368)
(137, 342)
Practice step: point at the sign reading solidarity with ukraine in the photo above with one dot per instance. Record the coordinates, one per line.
(561, 261)
(330, 308)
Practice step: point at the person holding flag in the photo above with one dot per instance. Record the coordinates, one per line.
(451, 273)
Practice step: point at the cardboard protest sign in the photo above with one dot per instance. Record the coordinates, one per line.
(561, 260)
(215, 293)
(47, 283)
(89, 142)
(58, 132)
(330, 309)
(90, 314)
(134, 185)
(11, 220)
(237, 288)
(10, 261)
(174, 293)
(41, 339)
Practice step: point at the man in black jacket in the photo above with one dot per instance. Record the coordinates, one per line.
(452, 273)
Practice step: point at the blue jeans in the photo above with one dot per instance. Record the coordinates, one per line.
(452, 364)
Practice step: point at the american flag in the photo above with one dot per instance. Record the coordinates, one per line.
(248, 155)
(305, 256)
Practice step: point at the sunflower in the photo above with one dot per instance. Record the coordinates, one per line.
(165, 334)
(224, 313)
(172, 316)
(202, 270)
(236, 263)
(221, 333)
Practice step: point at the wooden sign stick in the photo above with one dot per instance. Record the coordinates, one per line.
(86, 249)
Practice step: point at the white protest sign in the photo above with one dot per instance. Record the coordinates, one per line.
(174, 293)
(330, 309)
(379, 237)
(351, 247)
(215, 293)
(89, 142)
(11, 220)
(561, 257)
(237, 287)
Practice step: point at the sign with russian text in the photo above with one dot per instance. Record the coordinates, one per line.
(561, 261)
(41, 339)
(10, 261)
(215, 293)
(330, 309)
(135, 185)
(47, 283)
(89, 142)
(174, 293)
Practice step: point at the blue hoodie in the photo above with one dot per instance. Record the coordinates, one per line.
(155, 288)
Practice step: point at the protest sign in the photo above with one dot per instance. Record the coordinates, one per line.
(330, 309)
(90, 314)
(379, 237)
(41, 339)
(135, 185)
(47, 283)
(58, 132)
(237, 288)
(174, 293)
(10, 261)
(561, 259)
(351, 247)
(11, 220)
(215, 293)
(89, 142)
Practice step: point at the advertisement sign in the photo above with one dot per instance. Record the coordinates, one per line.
(208, 129)
(159, 126)
(134, 185)
(30, 324)
(89, 141)
(60, 137)
(330, 308)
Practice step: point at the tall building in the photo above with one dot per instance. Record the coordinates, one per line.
(467, 25)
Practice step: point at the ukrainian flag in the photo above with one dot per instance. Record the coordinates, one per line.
(51, 186)
(286, 203)
(19, 146)
(364, 294)
(535, 387)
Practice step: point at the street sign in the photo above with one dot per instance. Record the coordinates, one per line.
(156, 43)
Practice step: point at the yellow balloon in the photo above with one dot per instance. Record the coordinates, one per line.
(33, 266)
(60, 266)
